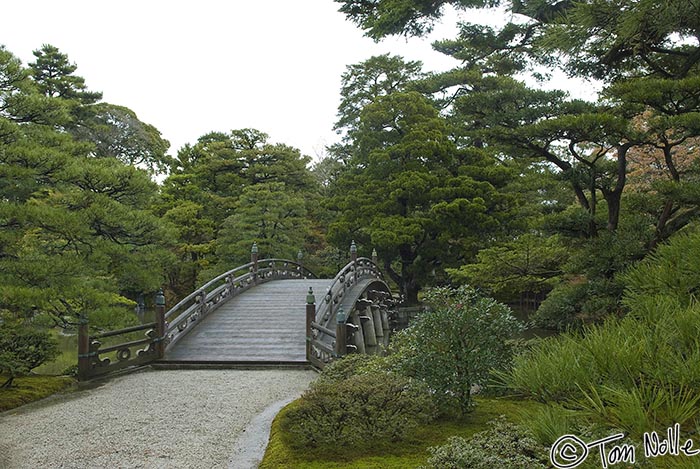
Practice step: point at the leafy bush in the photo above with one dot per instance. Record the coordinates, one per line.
(22, 349)
(358, 409)
(572, 305)
(456, 344)
(351, 365)
(503, 445)
(562, 307)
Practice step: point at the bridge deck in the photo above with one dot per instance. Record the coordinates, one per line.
(264, 324)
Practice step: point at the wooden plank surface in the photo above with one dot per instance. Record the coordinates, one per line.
(265, 323)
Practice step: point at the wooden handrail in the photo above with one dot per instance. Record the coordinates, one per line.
(190, 309)
(322, 331)
(344, 281)
(212, 294)
(126, 330)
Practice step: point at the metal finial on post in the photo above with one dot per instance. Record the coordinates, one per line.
(341, 333)
(340, 316)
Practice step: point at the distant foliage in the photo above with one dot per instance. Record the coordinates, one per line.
(528, 264)
(22, 349)
(357, 410)
(503, 445)
(456, 344)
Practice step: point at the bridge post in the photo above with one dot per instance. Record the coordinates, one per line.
(374, 257)
(83, 349)
(160, 324)
(341, 334)
(353, 258)
(254, 260)
(310, 317)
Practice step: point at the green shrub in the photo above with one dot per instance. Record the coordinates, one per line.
(640, 408)
(456, 344)
(548, 423)
(562, 307)
(503, 445)
(23, 348)
(573, 305)
(552, 370)
(671, 271)
(351, 365)
(358, 409)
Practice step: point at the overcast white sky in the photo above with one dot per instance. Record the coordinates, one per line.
(192, 67)
(189, 67)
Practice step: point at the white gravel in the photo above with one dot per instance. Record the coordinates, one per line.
(150, 419)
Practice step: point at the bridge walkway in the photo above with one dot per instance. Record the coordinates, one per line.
(263, 324)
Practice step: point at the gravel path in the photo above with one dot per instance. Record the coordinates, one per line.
(150, 419)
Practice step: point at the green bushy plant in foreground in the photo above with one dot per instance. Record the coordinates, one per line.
(638, 373)
(503, 445)
(358, 409)
(351, 365)
(456, 344)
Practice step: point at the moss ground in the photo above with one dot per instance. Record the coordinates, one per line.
(411, 452)
(32, 388)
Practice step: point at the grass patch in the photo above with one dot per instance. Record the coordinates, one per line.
(411, 452)
(28, 389)
(67, 357)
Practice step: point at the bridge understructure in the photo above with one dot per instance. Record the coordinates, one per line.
(261, 314)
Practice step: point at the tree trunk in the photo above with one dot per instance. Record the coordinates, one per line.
(408, 287)
(410, 293)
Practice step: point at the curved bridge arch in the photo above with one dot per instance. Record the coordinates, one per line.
(355, 315)
(253, 315)
(182, 317)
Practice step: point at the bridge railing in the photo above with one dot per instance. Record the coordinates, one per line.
(212, 294)
(320, 324)
(106, 352)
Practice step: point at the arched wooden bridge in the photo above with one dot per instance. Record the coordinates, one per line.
(272, 312)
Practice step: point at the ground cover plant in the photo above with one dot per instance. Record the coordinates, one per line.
(412, 451)
(28, 389)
